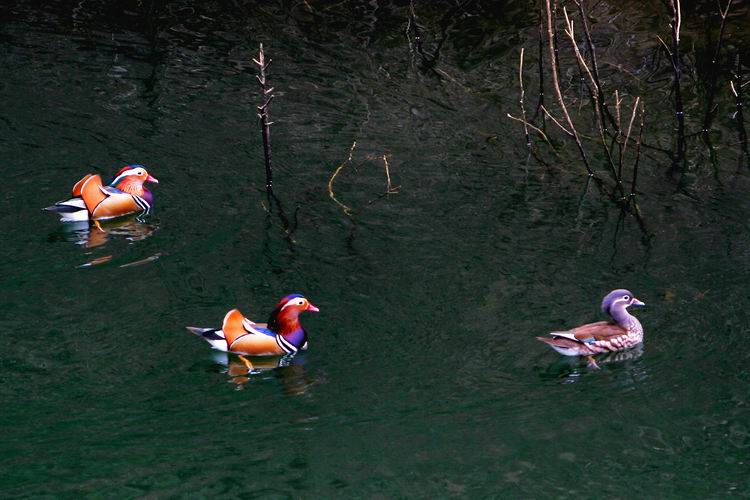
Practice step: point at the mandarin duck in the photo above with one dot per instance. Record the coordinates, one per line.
(283, 334)
(622, 332)
(92, 200)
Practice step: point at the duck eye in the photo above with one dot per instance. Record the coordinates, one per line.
(626, 297)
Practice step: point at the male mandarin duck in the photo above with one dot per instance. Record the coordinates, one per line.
(92, 200)
(623, 332)
(283, 334)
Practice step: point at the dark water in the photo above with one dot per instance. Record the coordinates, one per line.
(423, 376)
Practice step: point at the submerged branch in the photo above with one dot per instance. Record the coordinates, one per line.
(265, 119)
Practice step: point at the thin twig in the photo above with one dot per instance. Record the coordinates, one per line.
(540, 64)
(618, 134)
(523, 109)
(347, 210)
(532, 127)
(739, 115)
(637, 153)
(579, 58)
(412, 29)
(675, 57)
(547, 113)
(603, 109)
(596, 99)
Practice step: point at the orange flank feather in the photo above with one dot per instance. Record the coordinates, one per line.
(232, 326)
(91, 192)
(115, 205)
(257, 344)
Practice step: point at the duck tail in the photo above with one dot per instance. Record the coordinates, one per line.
(564, 346)
(557, 341)
(73, 209)
(207, 333)
(213, 336)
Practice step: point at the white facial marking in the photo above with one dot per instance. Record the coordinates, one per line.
(298, 302)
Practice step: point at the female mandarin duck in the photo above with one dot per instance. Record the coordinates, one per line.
(283, 334)
(623, 332)
(92, 200)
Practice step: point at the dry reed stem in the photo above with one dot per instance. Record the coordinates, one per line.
(556, 84)
(618, 135)
(677, 18)
(581, 61)
(618, 101)
(630, 125)
(347, 210)
(603, 110)
(389, 188)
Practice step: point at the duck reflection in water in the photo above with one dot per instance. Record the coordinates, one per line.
(573, 368)
(94, 236)
(290, 368)
(132, 228)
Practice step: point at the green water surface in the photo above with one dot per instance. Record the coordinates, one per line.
(423, 377)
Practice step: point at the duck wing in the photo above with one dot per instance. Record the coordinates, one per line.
(575, 341)
(592, 332)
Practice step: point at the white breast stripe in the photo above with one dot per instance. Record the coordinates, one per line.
(285, 345)
(141, 203)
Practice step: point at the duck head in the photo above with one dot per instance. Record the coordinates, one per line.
(616, 302)
(130, 179)
(285, 316)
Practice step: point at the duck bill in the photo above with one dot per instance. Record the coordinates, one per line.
(637, 302)
(312, 308)
(153, 179)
